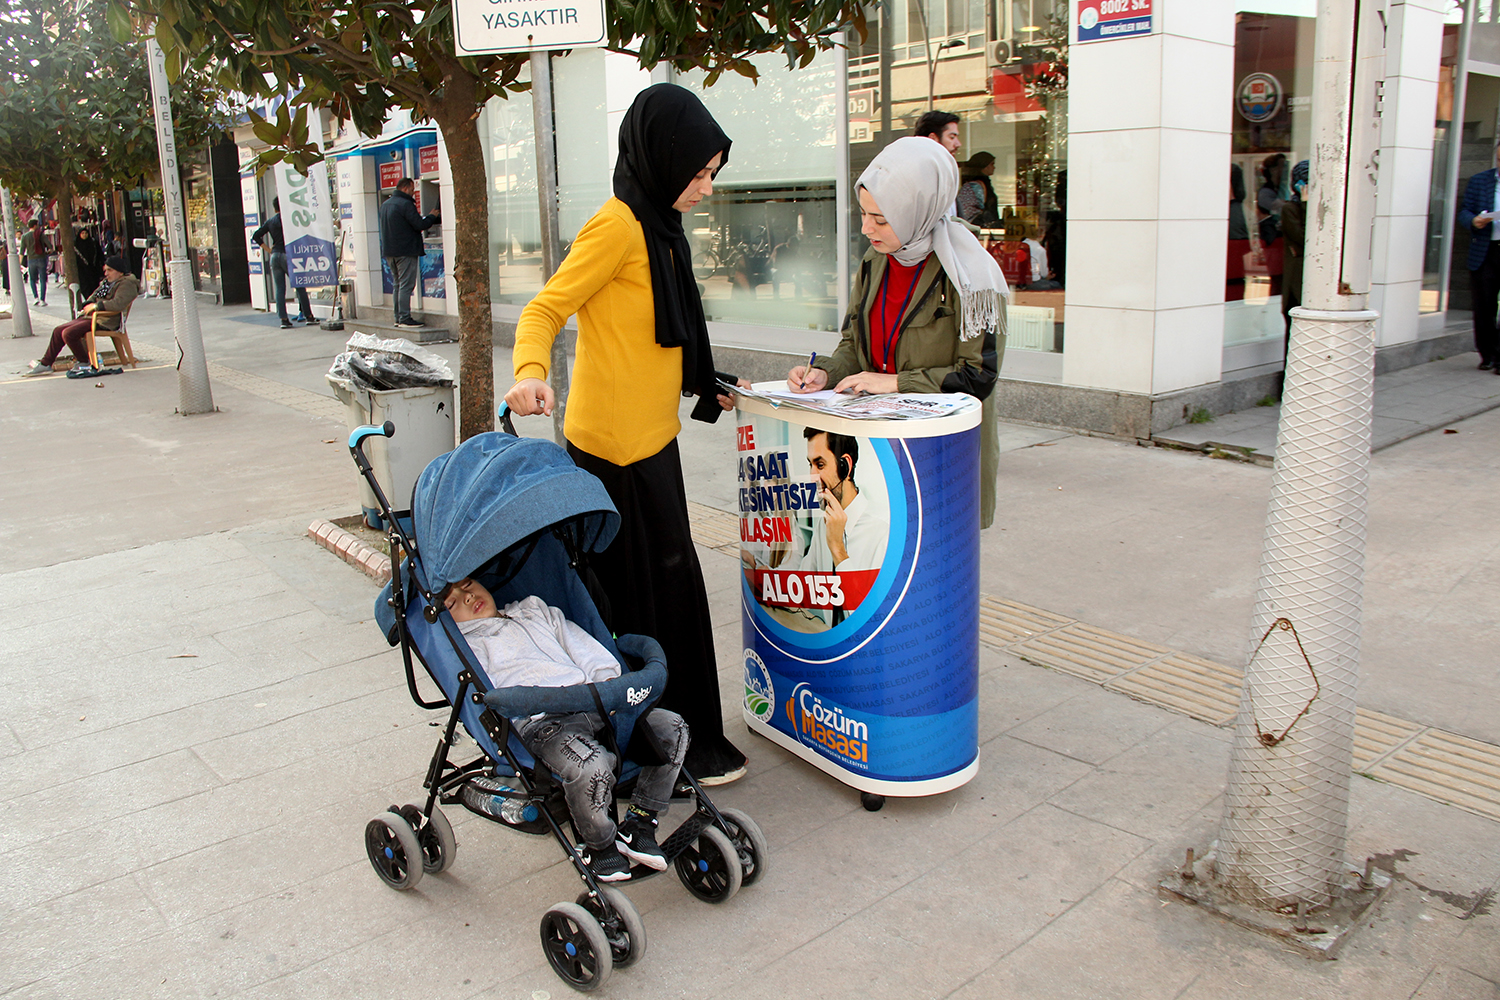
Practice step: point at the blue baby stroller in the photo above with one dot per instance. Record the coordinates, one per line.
(518, 516)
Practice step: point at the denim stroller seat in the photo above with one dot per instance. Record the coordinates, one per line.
(518, 516)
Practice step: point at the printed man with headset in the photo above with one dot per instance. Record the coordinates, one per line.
(854, 533)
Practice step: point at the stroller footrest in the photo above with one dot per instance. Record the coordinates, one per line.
(685, 834)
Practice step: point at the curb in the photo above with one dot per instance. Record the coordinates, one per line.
(376, 565)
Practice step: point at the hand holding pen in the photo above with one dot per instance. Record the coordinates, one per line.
(806, 378)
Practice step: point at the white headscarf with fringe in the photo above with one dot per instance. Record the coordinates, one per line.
(914, 181)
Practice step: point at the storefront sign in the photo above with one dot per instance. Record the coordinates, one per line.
(307, 225)
(485, 26)
(344, 171)
(1101, 20)
(1258, 97)
(427, 161)
(249, 198)
(861, 599)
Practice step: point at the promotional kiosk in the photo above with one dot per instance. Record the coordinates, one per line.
(859, 542)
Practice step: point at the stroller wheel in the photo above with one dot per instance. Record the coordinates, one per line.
(710, 866)
(393, 849)
(747, 839)
(623, 928)
(575, 945)
(436, 837)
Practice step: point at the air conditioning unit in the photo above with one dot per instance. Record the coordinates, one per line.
(1000, 52)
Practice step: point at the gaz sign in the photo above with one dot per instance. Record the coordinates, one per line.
(1099, 20)
(481, 27)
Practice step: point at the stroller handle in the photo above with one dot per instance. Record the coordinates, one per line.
(358, 435)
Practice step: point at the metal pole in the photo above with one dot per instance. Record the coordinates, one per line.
(887, 56)
(1286, 811)
(20, 309)
(544, 128)
(193, 392)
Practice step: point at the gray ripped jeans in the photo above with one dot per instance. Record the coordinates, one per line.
(566, 745)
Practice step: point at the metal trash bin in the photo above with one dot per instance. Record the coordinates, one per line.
(379, 380)
(424, 430)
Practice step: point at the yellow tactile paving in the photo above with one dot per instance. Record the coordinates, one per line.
(1376, 735)
(1091, 653)
(1188, 684)
(1004, 622)
(713, 528)
(1449, 768)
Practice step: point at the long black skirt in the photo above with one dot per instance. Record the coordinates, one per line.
(651, 576)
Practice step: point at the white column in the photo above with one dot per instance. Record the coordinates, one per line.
(1414, 43)
(1148, 202)
(364, 195)
(449, 225)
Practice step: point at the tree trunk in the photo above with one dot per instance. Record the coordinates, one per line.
(471, 273)
(65, 234)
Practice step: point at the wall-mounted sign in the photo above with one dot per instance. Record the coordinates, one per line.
(391, 172)
(861, 110)
(1258, 97)
(427, 161)
(1101, 20)
(481, 27)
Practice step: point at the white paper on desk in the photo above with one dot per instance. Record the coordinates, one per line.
(821, 396)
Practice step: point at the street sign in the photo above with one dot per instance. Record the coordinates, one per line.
(483, 27)
(1102, 20)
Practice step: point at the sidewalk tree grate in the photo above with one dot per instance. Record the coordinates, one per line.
(1207, 691)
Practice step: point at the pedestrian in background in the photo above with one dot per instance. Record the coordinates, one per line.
(1476, 213)
(34, 249)
(401, 229)
(272, 228)
(90, 261)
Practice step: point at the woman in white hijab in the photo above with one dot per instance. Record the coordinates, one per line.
(927, 312)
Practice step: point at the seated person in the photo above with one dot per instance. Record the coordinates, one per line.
(115, 295)
(529, 643)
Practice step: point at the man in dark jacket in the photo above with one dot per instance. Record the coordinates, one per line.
(1477, 213)
(273, 229)
(401, 229)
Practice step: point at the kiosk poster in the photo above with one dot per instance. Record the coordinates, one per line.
(307, 225)
(861, 587)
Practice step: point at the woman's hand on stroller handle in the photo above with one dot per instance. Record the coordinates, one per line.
(530, 396)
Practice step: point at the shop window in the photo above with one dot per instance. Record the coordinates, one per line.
(1002, 68)
(1445, 145)
(1271, 135)
(515, 229)
(765, 245)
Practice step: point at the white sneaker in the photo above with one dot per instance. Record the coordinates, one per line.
(37, 368)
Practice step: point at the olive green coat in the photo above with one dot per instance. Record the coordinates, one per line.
(930, 357)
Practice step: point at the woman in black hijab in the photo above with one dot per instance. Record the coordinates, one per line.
(90, 262)
(642, 346)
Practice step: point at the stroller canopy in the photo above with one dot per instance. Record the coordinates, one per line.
(495, 490)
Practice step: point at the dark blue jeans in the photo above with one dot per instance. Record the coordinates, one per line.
(278, 284)
(36, 270)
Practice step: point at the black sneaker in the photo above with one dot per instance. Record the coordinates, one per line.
(636, 839)
(606, 863)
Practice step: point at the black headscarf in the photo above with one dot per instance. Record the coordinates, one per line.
(666, 138)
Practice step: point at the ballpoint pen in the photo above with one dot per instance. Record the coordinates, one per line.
(808, 370)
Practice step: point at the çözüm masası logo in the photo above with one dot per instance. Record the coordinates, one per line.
(760, 695)
(829, 729)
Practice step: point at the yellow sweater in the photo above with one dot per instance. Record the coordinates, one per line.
(626, 388)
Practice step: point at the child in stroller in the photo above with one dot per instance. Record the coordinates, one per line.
(516, 515)
(530, 643)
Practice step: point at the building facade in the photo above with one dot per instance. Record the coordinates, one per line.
(1144, 149)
